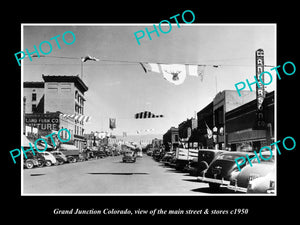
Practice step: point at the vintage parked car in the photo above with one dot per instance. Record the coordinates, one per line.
(167, 156)
(172, 161)
(149, 152)
(258, 178)
(72, 155)
(60, 156)
(129, 156)
(191, 167)
(50, 159)
(33, 160)
(157, 155)
(99, 154)
(59, 160)
(205, 157)
(170, 158)
(219, 171)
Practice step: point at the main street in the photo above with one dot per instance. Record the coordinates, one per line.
(111, 176)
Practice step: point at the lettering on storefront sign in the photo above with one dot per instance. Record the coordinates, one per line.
(260, 89)
(42, 122)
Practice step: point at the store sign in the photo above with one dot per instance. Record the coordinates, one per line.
(260, 90)
(45, 122)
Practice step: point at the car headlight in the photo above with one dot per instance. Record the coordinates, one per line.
(234, 174)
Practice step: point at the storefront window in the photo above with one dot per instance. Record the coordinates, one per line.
(244, 147)
(176, 138)
(256, 146)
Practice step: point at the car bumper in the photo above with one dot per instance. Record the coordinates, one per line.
(211, 180)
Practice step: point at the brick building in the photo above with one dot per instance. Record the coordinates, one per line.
(58, 94)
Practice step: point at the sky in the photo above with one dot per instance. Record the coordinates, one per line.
(119, 90)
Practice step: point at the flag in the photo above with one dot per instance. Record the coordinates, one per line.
(174, 73)
(209, 131)
(146, 115)
(112, 123)
(88, 57)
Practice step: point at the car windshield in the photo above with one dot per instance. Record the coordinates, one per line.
(169, 154)
(128, 153)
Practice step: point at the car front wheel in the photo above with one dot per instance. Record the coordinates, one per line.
(29, 165)
(40, 163)
(48, 163)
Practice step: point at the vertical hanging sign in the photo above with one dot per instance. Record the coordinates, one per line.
(260, 90)
(112, 123)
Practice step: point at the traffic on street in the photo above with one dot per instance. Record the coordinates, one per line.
(130, 172)
(132, 123)
(110, 175)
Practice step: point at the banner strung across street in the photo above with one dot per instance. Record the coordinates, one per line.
(146, 115)
(175, 73)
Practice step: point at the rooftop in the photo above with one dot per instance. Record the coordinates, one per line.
(65, 78)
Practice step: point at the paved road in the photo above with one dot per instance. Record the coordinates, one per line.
(111, 176)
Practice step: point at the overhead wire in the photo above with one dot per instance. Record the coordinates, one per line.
(124, 62)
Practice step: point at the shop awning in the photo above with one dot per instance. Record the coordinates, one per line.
(26, 141)
(247, 135)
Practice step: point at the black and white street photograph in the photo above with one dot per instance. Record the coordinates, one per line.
(160, 113)
(149, 109)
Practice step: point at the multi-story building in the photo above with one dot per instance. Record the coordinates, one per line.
(242, 131)
(199, 137)
(66, 94)
(223, 102)
(171, 138)
(185, 129)
(156, 142)
(212, 117)
(63, 94)
(34, 97)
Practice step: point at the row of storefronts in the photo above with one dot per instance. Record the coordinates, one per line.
(228, 122)
(55, 103)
